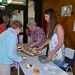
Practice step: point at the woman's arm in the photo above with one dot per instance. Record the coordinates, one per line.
(11, 49)
(30, 42)
(60, 35)
(36, 43)
(28, 45)
(46, 43)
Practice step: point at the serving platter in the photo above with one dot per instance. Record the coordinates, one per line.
(31, 52)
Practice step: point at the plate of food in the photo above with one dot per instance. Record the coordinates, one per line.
(28, 66)
(31, 52)
(24, 57)
(36, 71)
(20, 48)
(37, 52)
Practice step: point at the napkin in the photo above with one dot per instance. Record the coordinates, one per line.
(51, 68)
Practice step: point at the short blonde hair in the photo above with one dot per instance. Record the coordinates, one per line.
(5, 19)
(16, 24)
(31, 23)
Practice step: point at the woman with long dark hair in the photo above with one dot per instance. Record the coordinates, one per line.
(55, 35)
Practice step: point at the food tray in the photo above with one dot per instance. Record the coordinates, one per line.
(31, 52)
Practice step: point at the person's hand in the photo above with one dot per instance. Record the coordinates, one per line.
(28, 32)
(25, 46)
(23, 61)
(28, 47)
(49, 57)
(40, 48)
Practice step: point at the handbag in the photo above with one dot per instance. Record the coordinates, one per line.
(69, 70)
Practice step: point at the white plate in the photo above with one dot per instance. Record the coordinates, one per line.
(20, 48)
(51, 68)
(53, 73)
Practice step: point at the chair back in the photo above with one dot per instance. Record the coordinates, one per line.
(69, 56)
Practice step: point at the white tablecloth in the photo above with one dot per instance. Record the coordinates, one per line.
(38, 65)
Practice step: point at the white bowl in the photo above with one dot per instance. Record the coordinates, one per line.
(20, 48)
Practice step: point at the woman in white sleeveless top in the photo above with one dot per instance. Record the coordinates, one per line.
(55, 38)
